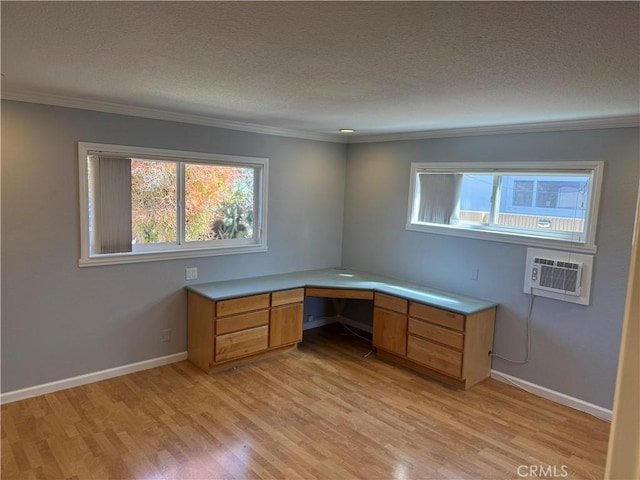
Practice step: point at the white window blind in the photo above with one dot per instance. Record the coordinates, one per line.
(440, 198)
(112, 218)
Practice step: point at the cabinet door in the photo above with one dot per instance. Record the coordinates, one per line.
(285, 325)
(390, 331)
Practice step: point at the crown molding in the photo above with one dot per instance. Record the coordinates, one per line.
(157, 114)
(559, 126)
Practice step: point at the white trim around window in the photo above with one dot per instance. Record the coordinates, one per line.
(444, 218)
(180, 249)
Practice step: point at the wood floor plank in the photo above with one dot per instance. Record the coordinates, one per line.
(324, 411)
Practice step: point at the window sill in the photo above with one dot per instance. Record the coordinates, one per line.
(138, 257)
(505, 237)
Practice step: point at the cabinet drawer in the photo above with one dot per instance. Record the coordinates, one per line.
(241, 322)
(391, 303)
(437, 334)
(435, 315)
(285, 297)
(435, 356)
(239, 344)
(242, 304)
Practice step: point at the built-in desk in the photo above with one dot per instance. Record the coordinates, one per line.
(442, 334)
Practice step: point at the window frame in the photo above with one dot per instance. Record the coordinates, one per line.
(505, 234)
(170, 251)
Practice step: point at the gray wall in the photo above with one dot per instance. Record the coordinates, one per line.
(59, 320)
(574, 348)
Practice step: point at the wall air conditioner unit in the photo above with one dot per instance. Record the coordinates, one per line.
(563, 276)
(556, 276)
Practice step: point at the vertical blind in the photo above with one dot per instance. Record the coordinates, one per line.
(112, 208)
(440, 198)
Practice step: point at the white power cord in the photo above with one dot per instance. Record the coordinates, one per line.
(528, 351)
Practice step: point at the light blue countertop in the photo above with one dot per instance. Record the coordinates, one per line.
(341, 278)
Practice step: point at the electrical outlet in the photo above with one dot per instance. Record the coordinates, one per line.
(192, 273)
(165, 335)
(474, 273)
(309, 318)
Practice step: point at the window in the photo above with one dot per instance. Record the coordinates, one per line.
(141, 204)
(545, 204)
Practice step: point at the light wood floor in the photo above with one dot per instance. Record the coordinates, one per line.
(322, 411)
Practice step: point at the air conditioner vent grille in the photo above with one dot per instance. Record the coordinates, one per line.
(558, 278)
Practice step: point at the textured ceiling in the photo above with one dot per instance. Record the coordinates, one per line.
(378, 67)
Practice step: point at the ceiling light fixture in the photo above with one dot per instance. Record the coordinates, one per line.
(347, 130)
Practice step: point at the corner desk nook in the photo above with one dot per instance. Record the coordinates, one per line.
(440, 334)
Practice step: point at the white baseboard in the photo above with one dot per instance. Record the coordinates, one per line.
(89, 378)
(554, 396)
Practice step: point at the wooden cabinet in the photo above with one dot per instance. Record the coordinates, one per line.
(390, 324)
(447, 345)
(241, 327)
(224, 333)
(200, 323)
(436, 339)
(285, 326)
